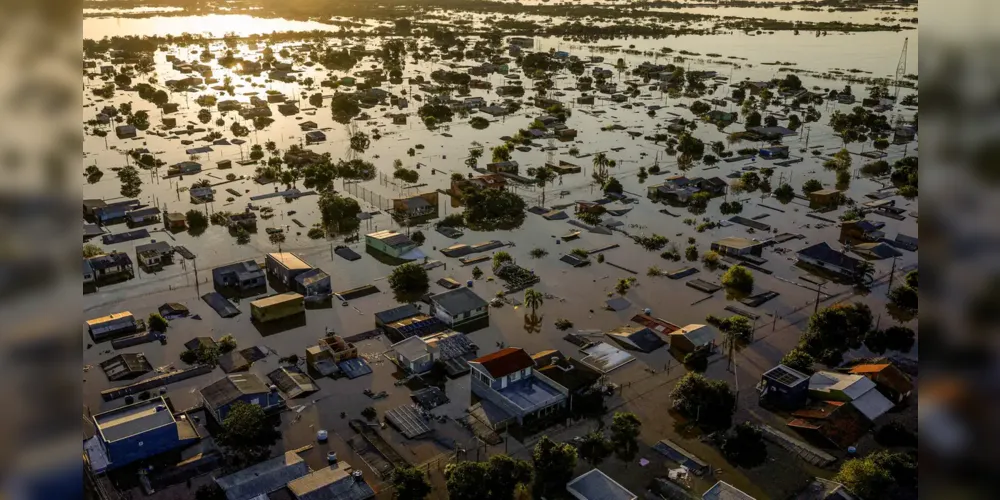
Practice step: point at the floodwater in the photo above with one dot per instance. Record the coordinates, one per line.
(577, 294)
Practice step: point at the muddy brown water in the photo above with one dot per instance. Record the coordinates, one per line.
(578, 293)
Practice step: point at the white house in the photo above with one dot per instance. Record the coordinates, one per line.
(459, 307)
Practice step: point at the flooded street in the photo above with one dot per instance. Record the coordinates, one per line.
(577, 294)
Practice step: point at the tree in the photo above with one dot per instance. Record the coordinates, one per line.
(227, 344)
(811, 185)
(410, 483)
(500, 258)
(753, 119)
(338, 213)
(745, 446)
(770, 121)
(360, 142)
(595, 448)
(418, 237)
(247, 434)
(912, 279)
(533, 299)
(709, 402)
(543, 175)
(794, 122)
(738, 278)
(863, 275)
(625, 428)
(904, 298)
(797, 359)
(750, 180)
(623, 286)
(92, 250)
(501, 153)
(409, 279)
(699, 199)
(477, 273)
(690, 145)
(784, 192)
(344, 108)
(496, 479)
(739, 327)
(131, 182)
(157, 323)
(196, 220)
(834, 330)
(474, 155)
(882, 474)
(553, 464)
(601, 163)
(613, 186)
(491, 209)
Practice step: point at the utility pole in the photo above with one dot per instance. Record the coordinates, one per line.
(892, 274)
(819, 287)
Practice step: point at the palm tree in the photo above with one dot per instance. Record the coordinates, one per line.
(543, 175)
(533, 299)
(864, 273)
(601, 163)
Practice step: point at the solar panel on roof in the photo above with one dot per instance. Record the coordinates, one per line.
(781, 375)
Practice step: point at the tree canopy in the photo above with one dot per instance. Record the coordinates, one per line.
(709, 402)
(553, 463)
(247, 434)
(496, 479)
(410, 483)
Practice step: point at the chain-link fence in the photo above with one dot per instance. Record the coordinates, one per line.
(374, 199)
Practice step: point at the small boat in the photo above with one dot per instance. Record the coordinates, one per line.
(571, 235)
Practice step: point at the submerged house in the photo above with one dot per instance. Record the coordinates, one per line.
(507, 379)
(154, 255)
(459, 307)
(849, 388)
(783, 387)
(241, 276)
(261, 479)
(220, 396)
(393, 244)
(137, 432)
(421, 205)
(824, 256)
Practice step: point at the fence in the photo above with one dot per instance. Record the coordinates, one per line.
(376, 200)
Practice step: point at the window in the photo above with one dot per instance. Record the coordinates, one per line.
(514, 377)
(255, 401)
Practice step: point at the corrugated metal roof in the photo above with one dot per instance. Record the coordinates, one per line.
(263, 478)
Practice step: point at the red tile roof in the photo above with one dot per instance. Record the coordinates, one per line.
(859, 369)
(505, 361)
(887, 375)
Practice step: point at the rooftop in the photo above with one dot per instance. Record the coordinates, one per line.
(886, 374)
(125, 315)
(530, 393)
(277, 299)
(311, 276)
(133, 419)
(698, 334)
(596, 485)
(785, 375)
(458, 301)
(391, 238)
(725, 491)
(226, 390)
(263, 478)
(331, 483)
(397, 313)
(157, 246)
(736, 242)
(411, 348)
(505, 361)
(288, 260)
(854, 386)
(823, 252)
